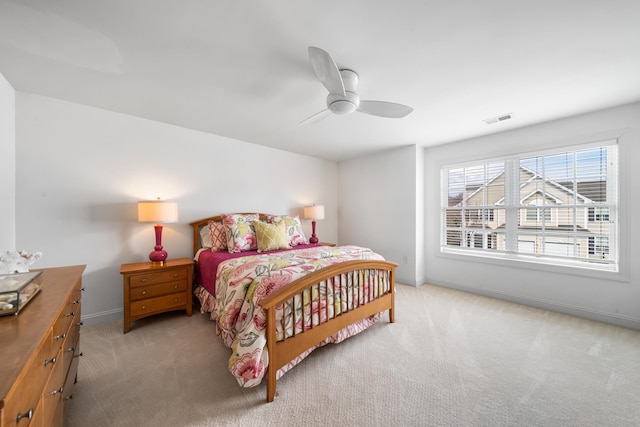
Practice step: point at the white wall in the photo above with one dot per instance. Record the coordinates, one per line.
(378, 206)
(7, 166)
(613, 298)
(81, 170)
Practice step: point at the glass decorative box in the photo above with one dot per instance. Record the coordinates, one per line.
(16, 290)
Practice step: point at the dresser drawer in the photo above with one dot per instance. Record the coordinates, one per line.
(71, 375)
(23, 397)
(52, 395)
(71, 342)
(61, 325)
(157, 304)
(150, 291)
(158, 277)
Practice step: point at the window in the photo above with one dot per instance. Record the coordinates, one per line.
(555, 207)
(536, 214)
(598, 245)
(599, 214)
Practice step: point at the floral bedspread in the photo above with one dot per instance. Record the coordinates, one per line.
(242, 282)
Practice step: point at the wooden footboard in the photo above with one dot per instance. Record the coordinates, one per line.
(368, 298)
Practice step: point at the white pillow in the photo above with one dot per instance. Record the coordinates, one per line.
(205, 237)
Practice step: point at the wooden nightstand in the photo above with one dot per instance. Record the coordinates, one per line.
(151, 289)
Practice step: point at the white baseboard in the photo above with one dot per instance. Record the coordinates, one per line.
(102, 317)
(410, 282)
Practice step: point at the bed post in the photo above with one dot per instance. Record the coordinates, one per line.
(392, 317)
(271, 343)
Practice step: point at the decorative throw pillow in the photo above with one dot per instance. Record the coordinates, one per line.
(294, 228)
(240, 234)
(271, 236)
(217, 236)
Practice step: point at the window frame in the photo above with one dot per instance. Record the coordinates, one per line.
(606, 213)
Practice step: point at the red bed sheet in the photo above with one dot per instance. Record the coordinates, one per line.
(208, 261)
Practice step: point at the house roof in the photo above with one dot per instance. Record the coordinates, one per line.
(473, 190)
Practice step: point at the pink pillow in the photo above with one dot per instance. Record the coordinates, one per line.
(240, 234)
(218, 234)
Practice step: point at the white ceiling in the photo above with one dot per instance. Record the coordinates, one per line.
(240, 69)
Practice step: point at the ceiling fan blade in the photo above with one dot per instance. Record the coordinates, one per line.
(316, 117)
(384, 109)
(326, 70)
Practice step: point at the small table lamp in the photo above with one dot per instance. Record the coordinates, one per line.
(158, 212)
(313, 212)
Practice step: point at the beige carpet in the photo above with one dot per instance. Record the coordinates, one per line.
(451, 359)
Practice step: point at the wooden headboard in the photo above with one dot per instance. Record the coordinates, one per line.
(204, 222)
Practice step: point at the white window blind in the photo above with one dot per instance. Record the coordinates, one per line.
(547, 206)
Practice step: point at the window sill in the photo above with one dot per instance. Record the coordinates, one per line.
(598, 271)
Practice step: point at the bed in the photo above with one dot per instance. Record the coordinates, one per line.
(274, 303)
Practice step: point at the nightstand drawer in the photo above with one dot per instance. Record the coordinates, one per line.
(151, 291)
(158, 277)
(158, 304)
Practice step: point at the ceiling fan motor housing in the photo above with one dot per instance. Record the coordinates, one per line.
(339, 104)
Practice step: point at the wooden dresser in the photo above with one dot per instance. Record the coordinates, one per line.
(151, 289)
(39, 351)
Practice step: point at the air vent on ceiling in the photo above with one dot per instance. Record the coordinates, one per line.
(498, 119)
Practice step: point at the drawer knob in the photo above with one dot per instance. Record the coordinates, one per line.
(144, 307)
(54, 392)
(70, 314)
(57, 337)
(143, 280)
(175, 300)
(175, 274)
(175, 286)
(28, 414)
(49, 361)
(80, 323)
(82, 289)
(75, 301)
(71, 349)
(144, 292)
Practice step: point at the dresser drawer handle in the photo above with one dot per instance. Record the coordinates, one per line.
(175, 286)
(57, 337)
(75, 301)
(175, 300)
(82, 289)
(80, 323)
(143, 280)
(175, 274)
(52, 361)
(71, 349)
(143, 292)
(28, 414)
(144, 307)
(54, 392)
(70, 314)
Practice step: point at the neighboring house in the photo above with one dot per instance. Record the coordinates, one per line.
(552, 218)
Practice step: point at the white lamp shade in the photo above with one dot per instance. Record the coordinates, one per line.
(157, 211)
(314, 212)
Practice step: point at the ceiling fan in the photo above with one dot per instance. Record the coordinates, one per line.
(342, 98)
